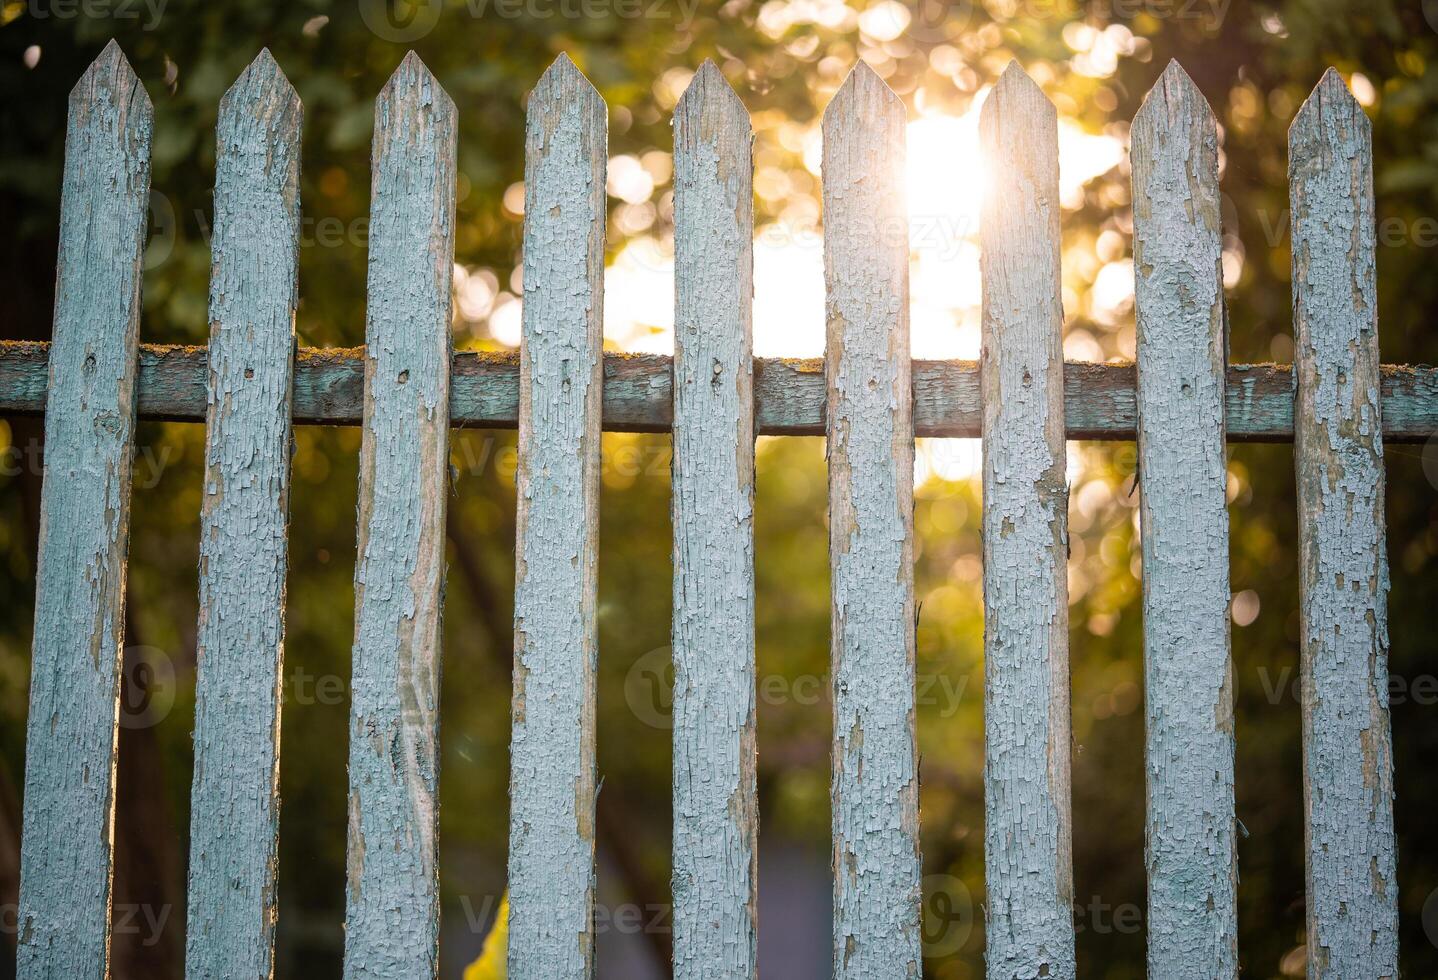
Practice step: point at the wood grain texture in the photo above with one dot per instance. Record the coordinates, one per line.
(716, 808)
(1099, 399)
(552, 776)
(1343, 564)
(392, 898)
(244, 517)
(1178, 293)
(870, 447)
(1028, 832)
(66, 843)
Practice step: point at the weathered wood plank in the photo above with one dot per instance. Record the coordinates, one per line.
(552, 775)
(392, 899)
(1178, 293)
(1343, 564)
(1099, 399)
(870, 447)
(1028, 831)
(66, 843)
(716, 808)
(244, 516)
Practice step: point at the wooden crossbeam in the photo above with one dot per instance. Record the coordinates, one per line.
(788, 393)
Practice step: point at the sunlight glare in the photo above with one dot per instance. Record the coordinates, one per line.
(945, 187)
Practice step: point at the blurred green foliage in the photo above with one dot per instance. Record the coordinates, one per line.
(1254, 61)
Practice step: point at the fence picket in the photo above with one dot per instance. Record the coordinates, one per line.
(392, 899)
(66, 843)
(234, 814)
(552, 776)
(1178, 284)
(715, 805)
(1028, 832)
(870, 445)
(1343, 565)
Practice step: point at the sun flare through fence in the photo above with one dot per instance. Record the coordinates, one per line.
(1182, 402)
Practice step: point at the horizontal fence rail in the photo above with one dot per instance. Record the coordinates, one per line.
(1099, 399)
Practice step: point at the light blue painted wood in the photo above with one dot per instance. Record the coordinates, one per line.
(244, 512)
(65, 856)
(1028, 828)
(1343, 561)
(870, 445)
(1178, 247)
(392, 898)
(552, 778)
(716, 810)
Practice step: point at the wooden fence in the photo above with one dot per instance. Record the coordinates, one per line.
(406, 389)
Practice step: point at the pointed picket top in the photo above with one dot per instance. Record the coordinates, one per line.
(410, 64)
(710, 90)
(262, 99)
(412, 73)
(111, 82)
(561, 91)
(712, 124)
(1172, 97)
(110, 70)
(561, 69)
(1331, 88)
(862, 94)
(1015, 84)
(414, 87)
(1016, 94)
(563, 80)
(863, 134)
(263, 88)
(263, 68)
(1331, 103)
(1174, 154)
